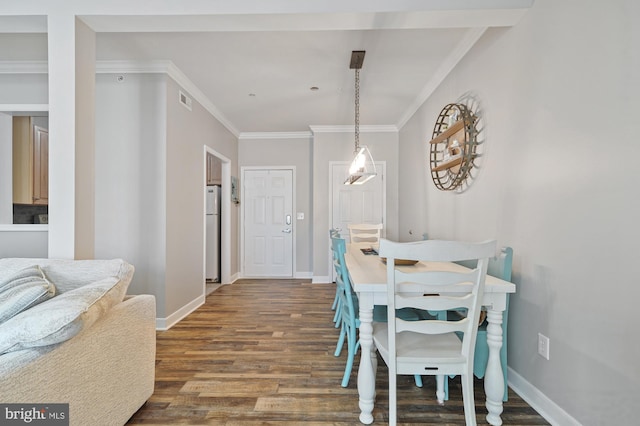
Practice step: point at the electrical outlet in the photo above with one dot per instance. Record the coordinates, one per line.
(543, 346)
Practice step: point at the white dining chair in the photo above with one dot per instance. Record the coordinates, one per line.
(365, 232)
(431, 346)
(348, 307)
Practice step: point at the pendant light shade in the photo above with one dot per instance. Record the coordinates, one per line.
(362, 167)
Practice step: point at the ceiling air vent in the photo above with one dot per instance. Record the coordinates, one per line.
(185, 100)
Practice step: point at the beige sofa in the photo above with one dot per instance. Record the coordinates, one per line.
(105, 364)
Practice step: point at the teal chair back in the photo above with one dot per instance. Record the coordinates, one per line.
(347, 308)
(347, 311)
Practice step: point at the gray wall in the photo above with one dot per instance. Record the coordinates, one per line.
(558, 95)
(24, 89)
(187, 133)
(288, 152)
(30, 242)
(131, 178)
(150, 183)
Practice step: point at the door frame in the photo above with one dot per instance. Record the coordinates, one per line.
(380, 165)
(243, 204)
(225, 223)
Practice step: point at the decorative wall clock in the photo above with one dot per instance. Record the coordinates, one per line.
(453, 147)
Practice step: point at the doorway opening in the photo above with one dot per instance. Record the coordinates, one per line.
(220, 178)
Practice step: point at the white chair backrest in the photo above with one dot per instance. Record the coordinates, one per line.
(365, 232)
(436, 290)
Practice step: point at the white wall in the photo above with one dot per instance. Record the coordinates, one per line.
(288, 152)
(559, 95)
(333, 146)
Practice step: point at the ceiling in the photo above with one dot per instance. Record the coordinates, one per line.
(256, 72)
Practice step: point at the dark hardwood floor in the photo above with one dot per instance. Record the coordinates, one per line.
(260, 352)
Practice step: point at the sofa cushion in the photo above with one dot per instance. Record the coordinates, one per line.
(23, 290)
(69, 274)
(62, 317)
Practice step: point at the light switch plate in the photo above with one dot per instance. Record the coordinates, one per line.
(300, 216)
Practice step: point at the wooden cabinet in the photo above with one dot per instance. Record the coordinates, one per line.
(40, 165)
(30, 162)
(214, 170)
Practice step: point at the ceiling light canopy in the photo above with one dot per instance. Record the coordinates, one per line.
(362, 167)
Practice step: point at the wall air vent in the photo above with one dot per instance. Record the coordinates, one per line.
(184, 100)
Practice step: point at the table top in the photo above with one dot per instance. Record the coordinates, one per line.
(369, 273)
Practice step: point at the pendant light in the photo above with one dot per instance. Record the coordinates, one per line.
(362, 167)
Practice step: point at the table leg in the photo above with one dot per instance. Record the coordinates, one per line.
(366, 372)
(493, 379)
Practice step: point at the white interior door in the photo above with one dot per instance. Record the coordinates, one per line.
(268, 223)
(356, 203)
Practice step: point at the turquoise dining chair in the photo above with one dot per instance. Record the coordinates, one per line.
(348, 307)
(333, 232)
(499, 267)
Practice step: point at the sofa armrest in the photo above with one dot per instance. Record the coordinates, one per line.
(105, 373)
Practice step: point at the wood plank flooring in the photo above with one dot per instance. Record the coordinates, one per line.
(260, 352)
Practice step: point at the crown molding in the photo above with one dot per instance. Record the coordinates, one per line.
(168, 67)
(447, 65)
(275, 135)
(131, 67)
(384, 128)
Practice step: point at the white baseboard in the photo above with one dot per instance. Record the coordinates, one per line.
(539, 401)
(322, 280)
(303, 275)
(164, 324)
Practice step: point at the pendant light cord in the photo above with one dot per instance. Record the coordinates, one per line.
(357, 127)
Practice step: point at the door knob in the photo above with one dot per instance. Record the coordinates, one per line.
(287, 231)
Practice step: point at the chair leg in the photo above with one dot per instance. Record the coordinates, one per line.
(336, 316)
(440, 388)
(418, 379)
(340, 344)
(393, 409)
(467, 399)
(352, 349)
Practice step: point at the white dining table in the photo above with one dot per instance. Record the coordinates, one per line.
(369, 280)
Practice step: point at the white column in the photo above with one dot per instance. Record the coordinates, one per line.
(62, 73)
(71, 137)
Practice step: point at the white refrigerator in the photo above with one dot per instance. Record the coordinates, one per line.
(213, 233)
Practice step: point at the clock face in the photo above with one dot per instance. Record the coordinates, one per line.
(452, 149)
